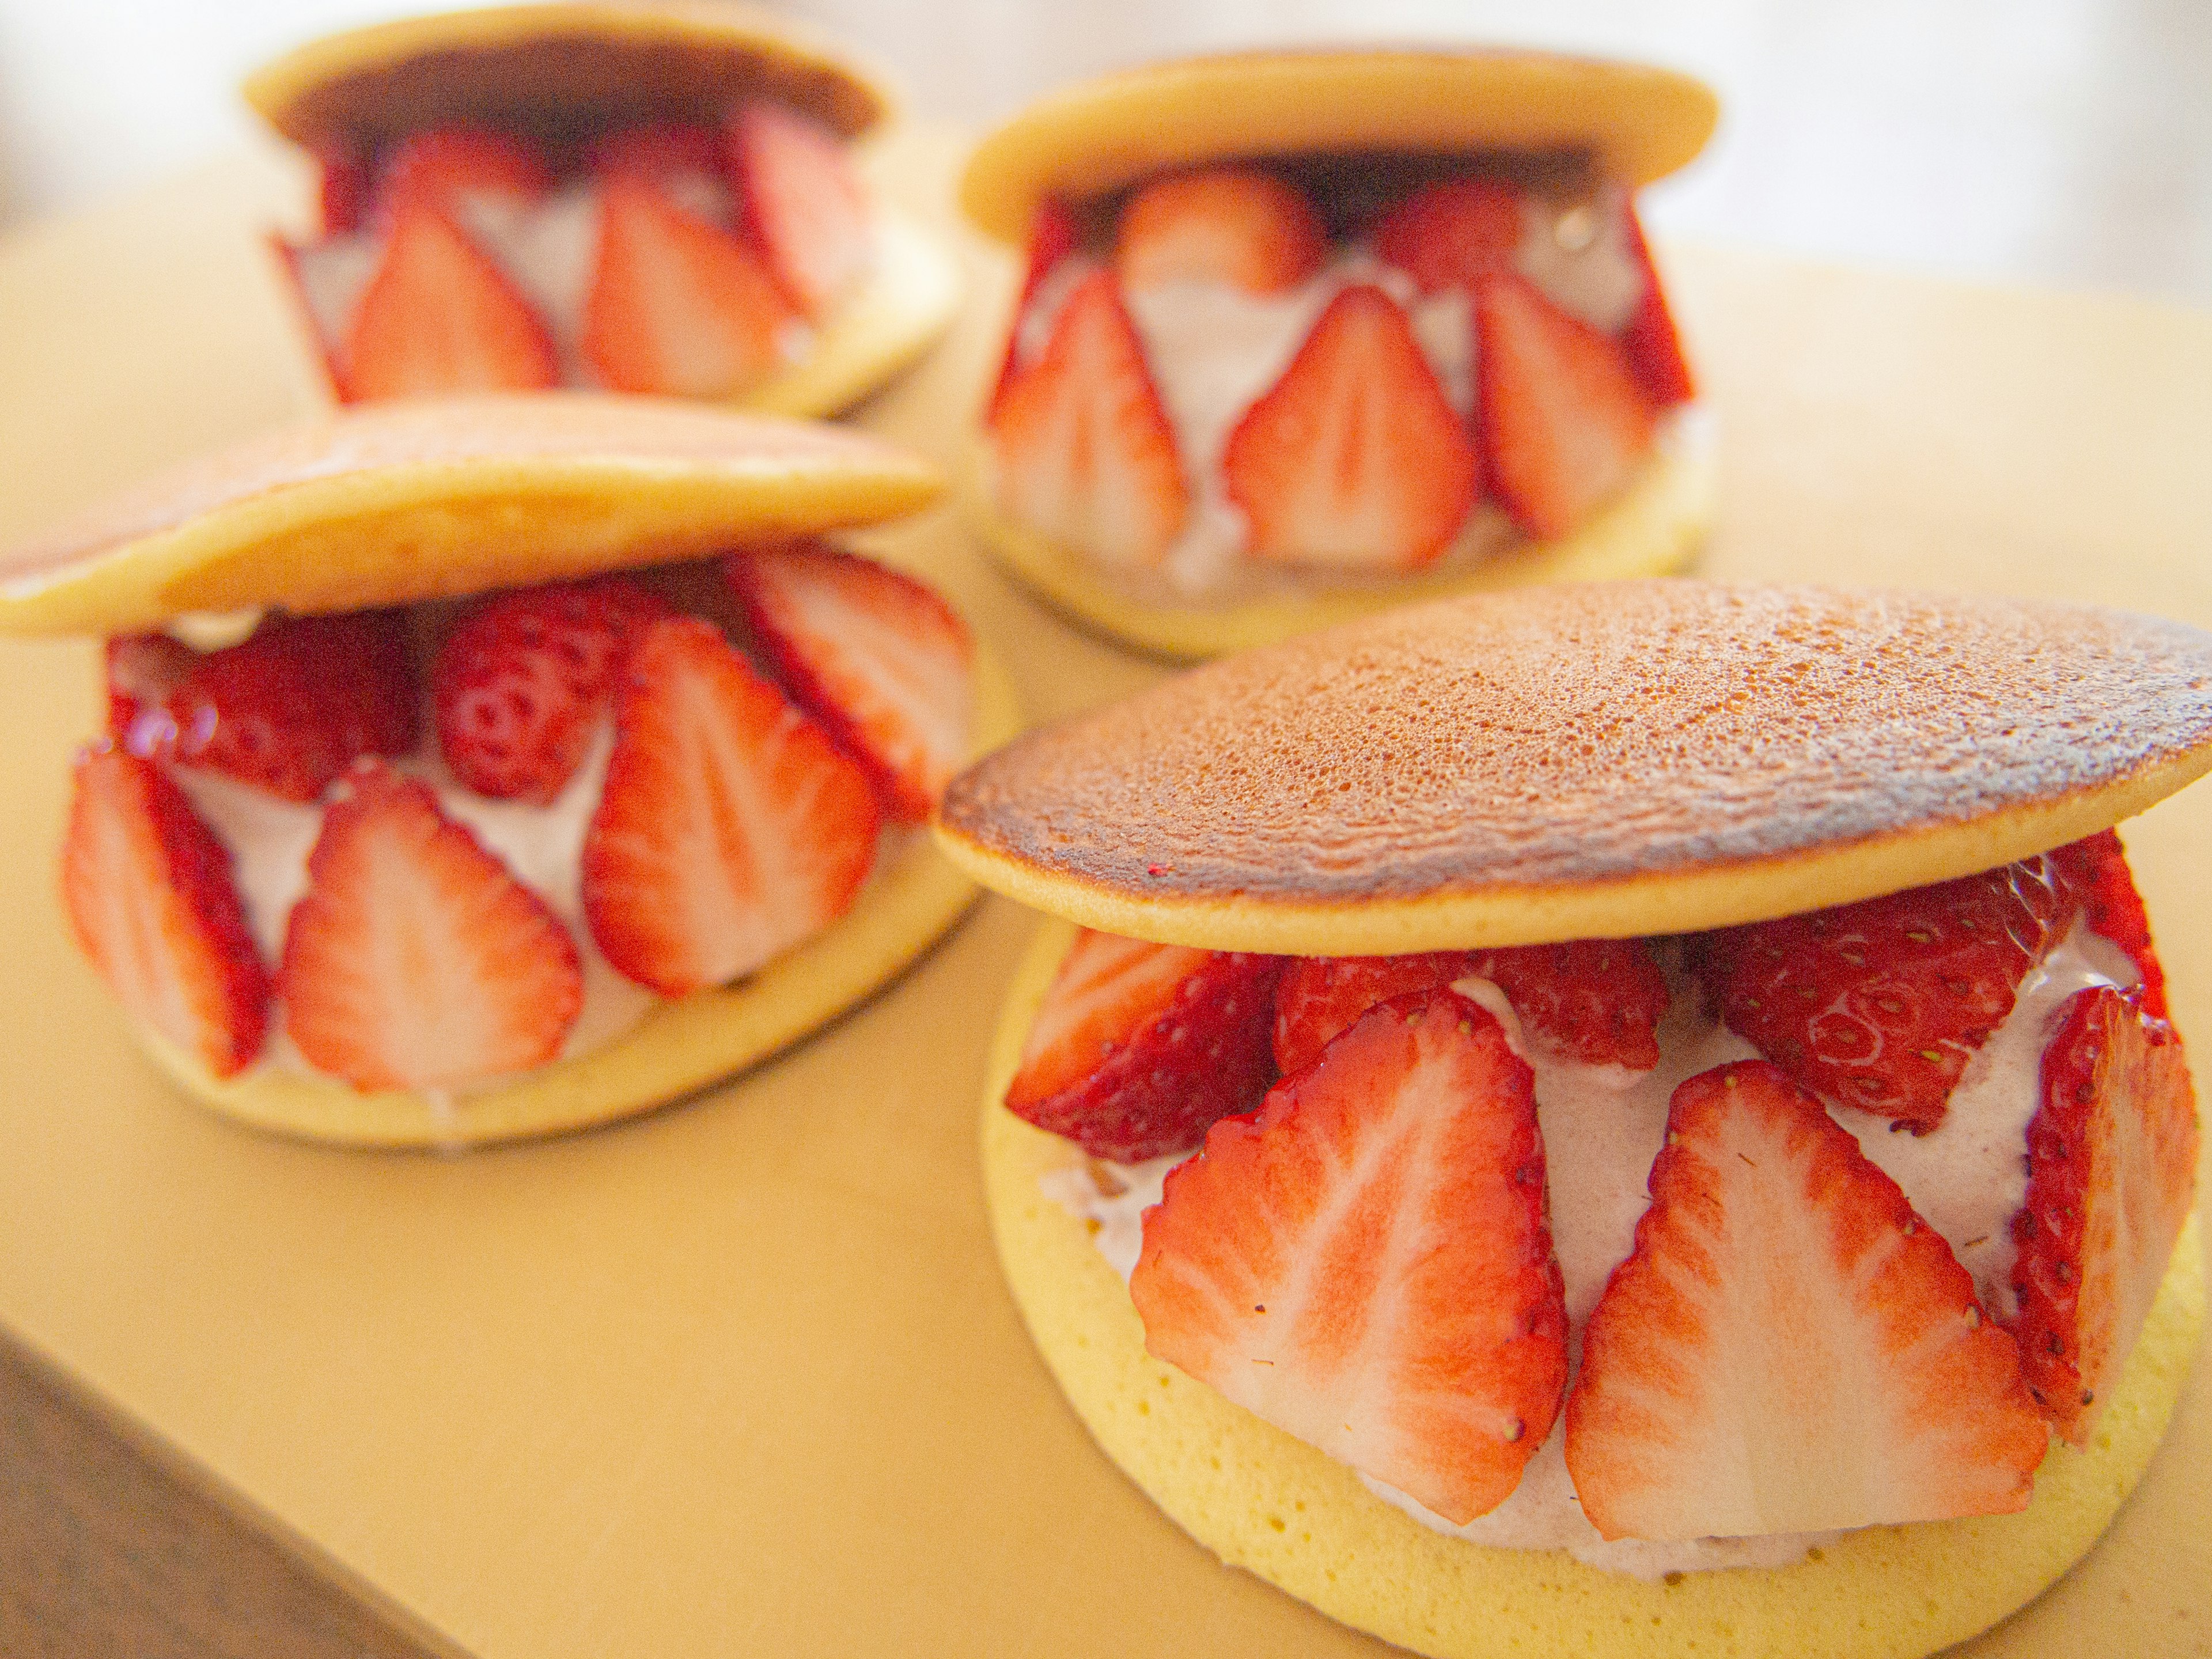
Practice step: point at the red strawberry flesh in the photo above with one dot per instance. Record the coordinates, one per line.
(1653, 344)
(803, 205)
(1239, 226)
(1053, 235)
(1447, 235)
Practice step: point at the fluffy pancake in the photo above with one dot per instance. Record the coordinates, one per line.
(1640, 122)
(1610, 760)
(678, 1047)
(390, 502)
(1655, 526)
(1264, 1501)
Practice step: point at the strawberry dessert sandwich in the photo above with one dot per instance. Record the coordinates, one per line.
(1636, 1118)
(1304, 335)
(480, 767)
(655, 197)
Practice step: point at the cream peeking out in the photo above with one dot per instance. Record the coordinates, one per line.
(1209, 376)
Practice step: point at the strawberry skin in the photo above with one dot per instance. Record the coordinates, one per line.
(1139, 1047)
(1086, 454)
(1448, 235)
(1354, 457)
(438, 165)
(678, 306)
(730, 828)
(414, 960)
(656, 151)
(439, 317)
(876, 657)
(148, 892)
(803, 205)
(524, 678)
(1653, 344)
(1878, 1005)
(1054, 234)
(2111, 1162)
(1365, 1261)
(1563, 421)
(1789, 1347)
(2096, 870)
(1236, 226)
(343, 191)
(288, 709)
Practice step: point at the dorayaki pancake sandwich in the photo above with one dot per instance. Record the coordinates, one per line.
(487, 767)
(1626, 1119)
(654, 198)
(1307, 334)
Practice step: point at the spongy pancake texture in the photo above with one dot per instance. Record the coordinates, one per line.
(1264, 1501)
(1604, 760)
(555, 71)
(391, 502)
(1640, 122)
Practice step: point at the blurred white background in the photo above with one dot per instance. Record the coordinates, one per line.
(2064, 142)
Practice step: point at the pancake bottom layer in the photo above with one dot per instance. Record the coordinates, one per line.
(678, 1047)
(1264, 1501)
(1653, 528)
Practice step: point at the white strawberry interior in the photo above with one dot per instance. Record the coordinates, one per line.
(1603, 1125)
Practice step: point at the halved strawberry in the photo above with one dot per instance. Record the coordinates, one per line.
(1086, 454)
(1878, 1005)
(2112, 1172)
(433, 166)
(1354, 457)
(288, 709)
(803, 204)
(525, 676)
(878, 657)
(343, 190)
(147, 888)
(1789, 1347)
(1240, 225)
(1054, 234)
(439, 317)
(731, 827)
(1448, 235)
(657, 150)
(1597, 1001)
(2096, 872)
(414, 960)
(1654, 346)
(1563, 420)
(1366, 1260)
(677, 305)
(1139, 1047)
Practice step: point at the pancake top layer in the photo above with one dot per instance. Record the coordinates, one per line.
(554, 72)
(1596, 760)
(1638, 122)
(390, 502)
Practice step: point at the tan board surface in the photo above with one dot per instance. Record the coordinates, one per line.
(743, 1376)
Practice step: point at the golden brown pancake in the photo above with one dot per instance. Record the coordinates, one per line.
(1608, 760)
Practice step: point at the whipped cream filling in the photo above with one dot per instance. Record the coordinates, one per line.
(1602, 1127)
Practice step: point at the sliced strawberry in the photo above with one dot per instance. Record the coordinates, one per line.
(1564, 422)
(343, 192)
(148, 891)
(2096, 872)
(288, 709)
(878, 657)
(1448, 235)
(1354, 457)
(1238, 225)
(1139, 1047)
(1654, 346)
(1085, 455)
(414, 960)
(731, 827)
(1789, 1347)
(1365, 1261)
(526, 676)
(1054, 234)
(656, 151)
(439, 317)
(437, 165)
(803, 204)
(1879, 1006)
(677, 305)
(1595, 1002)
(2112, 1172)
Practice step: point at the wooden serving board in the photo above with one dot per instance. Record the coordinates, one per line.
(741, 1375)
